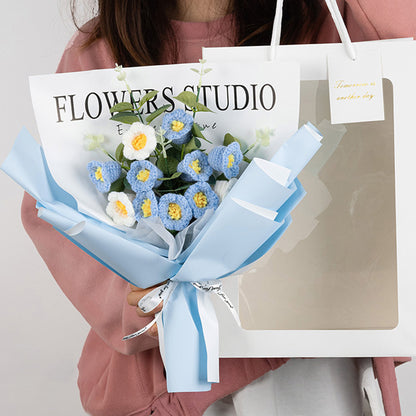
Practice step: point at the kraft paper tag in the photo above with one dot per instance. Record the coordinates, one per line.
(355, 87)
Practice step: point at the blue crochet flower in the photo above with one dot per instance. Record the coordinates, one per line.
(201, 197)
(174, 211)
(143, 176)
(145, 205)
(195, 167)
(103, 174)
(178, 126)
(226, 159)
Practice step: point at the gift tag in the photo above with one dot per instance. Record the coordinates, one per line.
(355, 87)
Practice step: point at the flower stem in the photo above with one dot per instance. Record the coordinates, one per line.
(108, 154)
(198, 89)
(197, 99)
(125, 167)
(250, 147)
(135, 107)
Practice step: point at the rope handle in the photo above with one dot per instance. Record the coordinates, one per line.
(336, 17)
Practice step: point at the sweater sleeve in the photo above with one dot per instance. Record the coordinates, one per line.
(97, 293)
(375, 19)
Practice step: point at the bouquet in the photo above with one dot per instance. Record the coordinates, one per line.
(164, 173)
(180, 218)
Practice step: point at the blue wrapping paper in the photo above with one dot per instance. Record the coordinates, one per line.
(245, 226)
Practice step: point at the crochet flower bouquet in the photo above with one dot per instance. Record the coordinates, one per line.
(163, 174)
(180, 217)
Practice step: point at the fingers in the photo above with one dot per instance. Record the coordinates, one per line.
(151, 313)
(137, 289)
(136, 295)
(152, 332)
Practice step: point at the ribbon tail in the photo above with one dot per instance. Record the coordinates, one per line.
(224, 297)
(150, 302)
(210, 331)
(184, 343)
(161, 335)
(215, 286)
(141, 331)
(209, 323)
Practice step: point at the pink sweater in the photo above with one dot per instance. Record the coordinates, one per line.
(127, 378)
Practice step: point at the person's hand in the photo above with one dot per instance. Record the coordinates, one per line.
(134, 297)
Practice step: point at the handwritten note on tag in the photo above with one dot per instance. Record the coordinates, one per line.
(355, 87)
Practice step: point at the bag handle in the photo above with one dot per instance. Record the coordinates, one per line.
(336, 17)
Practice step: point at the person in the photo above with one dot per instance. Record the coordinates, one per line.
(127, 378)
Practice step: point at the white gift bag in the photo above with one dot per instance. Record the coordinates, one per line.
(341, 281)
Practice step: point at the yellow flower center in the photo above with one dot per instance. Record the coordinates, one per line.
(177, 125)
(99, 174)
(143, 175)
(147, 208)
(230, 161)
(121, 209)
(195, 166)
(174, 211)
(200, 200)
(139, 142)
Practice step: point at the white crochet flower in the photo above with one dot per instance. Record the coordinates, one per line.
(120, 209)
(139, 141)
(221, 188)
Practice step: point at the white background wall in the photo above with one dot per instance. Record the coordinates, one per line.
(41, 333)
